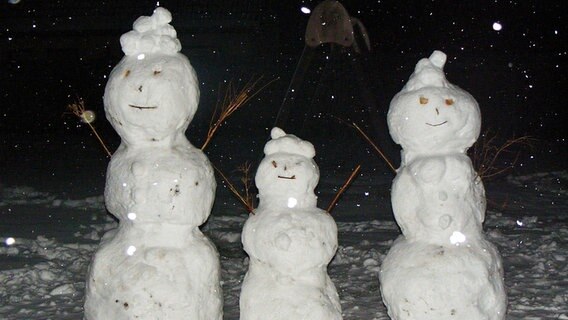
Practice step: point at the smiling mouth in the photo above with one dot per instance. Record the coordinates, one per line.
(141, 107)
(287, 178)
(437, 125)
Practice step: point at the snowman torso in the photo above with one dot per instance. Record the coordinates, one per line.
(289, 240)
(441, 267)
(153, 185)
(288, 255)
(438, 198)
(293, 242)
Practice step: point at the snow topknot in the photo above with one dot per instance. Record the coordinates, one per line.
(288, 143)
(429, 72)
(151, 34)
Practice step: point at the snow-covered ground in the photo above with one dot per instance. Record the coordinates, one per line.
(48, 241)
(52, 214)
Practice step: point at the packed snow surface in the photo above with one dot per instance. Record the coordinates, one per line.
(49, 239)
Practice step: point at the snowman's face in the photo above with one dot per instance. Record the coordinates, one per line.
(434, 119)
(284, 174)
(152, 98)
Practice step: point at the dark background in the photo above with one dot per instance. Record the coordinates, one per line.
(52, 52)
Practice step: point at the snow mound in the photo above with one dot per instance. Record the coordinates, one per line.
(151, 34)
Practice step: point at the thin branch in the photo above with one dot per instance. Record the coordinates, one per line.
(486, 154)
(246, 180)
(78, 109)
(343, 188)
(232, 102)
(377, 149)
(234, 190)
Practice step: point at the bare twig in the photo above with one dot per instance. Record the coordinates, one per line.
(78, 109)
(232, 101)
(343, 188)
(246, 180)
(486, 152)
(234, 190)
(370, 141)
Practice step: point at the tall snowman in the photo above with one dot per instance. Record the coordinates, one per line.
(288, 239)
(441, 267)
(157, 264)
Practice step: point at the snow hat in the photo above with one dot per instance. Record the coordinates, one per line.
(431, 115)
(429, 72)
(151, 34)
(288, 143)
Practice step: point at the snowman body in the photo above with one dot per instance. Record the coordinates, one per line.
(288, 239)
(441, 267)
(157, 264)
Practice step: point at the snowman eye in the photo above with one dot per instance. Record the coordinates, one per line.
(274, 164)
(157, 72)
(423, 100)
(126, 73)
(449, 102)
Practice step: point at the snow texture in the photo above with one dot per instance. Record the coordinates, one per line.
(151, 34)
(289, 240)
(157, 264)
(441, 267)
(55, 236)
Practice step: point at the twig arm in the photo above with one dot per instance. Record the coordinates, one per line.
(343, 188)
(234, 190)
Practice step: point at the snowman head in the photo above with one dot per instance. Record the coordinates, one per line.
(430, 115)
(153, 93)
(288, 175)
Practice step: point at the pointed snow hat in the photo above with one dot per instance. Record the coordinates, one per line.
(151, 34)
(288, 143)
(429, 72)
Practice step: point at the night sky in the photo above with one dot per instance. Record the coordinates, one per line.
(510, 55)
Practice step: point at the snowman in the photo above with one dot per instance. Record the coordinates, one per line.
(288, 239)
(157, 264)
(441, 267)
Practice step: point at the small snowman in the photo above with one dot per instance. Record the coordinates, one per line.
(441, 267)
(289, 240)
(157, 264)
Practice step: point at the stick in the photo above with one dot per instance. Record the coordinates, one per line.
(234, 190)
(343, 188)
(109, 154)
(78, 109)
(231, 103)
(389, 163)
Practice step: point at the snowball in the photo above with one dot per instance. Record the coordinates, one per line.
(152, 101)
(288, 143)
(287, 180)
(430, 115)
(63, 290)
(153, 93)
(151, 35)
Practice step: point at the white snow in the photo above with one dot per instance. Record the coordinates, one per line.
(48, 237)
(290, 243)
(441, 267)
(151, 34)
(534, 255)
(157, 264)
